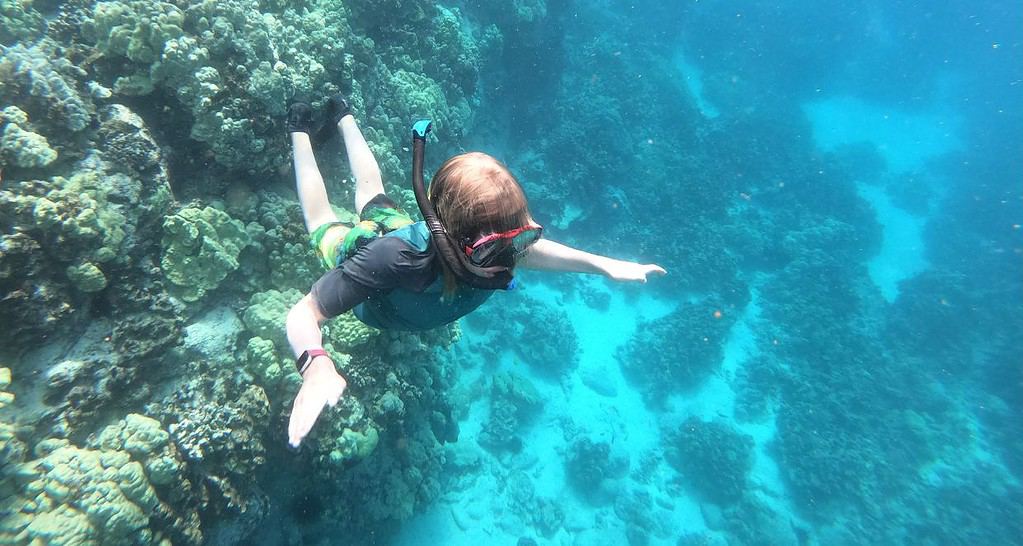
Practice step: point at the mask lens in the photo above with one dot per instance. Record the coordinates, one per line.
(485, 254)
(523, 240)
(503, 248)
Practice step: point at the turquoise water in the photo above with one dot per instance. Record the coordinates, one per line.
(834, 356)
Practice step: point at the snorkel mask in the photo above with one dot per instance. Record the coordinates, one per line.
(453, 257)
(502, 248)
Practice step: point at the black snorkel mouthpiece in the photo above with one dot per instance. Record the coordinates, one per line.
(453, 258)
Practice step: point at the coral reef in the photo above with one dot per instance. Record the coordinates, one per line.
(113, 491)
(677, 352)
(636, 509)
(48, 89)
(96, 253)
(553, 345)
(588, 463)
(78, 390)
(526, 507)
(280, 244)
(121, 304)
(12, 449)
(200, 248)
(751, 521)
(21, 147)
(381, 448)
(231, 67)
(82, 496)
(219, 424)
(758, 385)
(76, 221)
(514, 402)
(713, 457)
(19, 21)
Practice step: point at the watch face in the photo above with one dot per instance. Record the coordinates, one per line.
(302, 360)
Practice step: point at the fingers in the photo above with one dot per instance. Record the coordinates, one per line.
(296, 427)
(336, 391)
(647, 269)
(307, 409)
(303, 416)
(334, 397)
(294, 435)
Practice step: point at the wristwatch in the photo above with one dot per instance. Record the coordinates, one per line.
(306, 358)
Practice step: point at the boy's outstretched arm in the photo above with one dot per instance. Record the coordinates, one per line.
(548, 255)
(322, 386)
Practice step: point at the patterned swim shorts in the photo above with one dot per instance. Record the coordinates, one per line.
(336, 241)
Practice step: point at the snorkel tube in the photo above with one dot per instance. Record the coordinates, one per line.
(454, 260)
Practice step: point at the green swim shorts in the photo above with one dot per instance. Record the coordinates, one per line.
(335, 241)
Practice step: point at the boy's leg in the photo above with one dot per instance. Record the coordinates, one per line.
(365, 170)
(312, 194)
(325, 231)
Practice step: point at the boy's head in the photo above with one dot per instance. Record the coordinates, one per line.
(476, 195)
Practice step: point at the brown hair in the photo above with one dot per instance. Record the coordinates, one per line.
(475, 194)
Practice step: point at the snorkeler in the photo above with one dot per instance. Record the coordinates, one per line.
(395, 273)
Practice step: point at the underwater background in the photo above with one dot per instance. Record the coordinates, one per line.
(835, 356)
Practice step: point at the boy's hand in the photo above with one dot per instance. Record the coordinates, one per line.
(630, 271)
(321, 386)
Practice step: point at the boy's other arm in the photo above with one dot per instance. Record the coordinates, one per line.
(548, 255)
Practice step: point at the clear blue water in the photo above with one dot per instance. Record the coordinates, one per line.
(834, 357)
